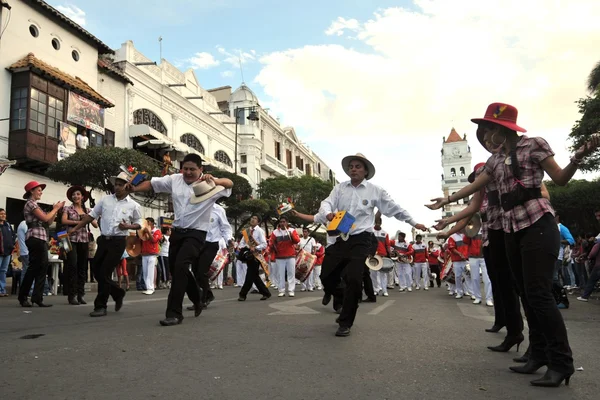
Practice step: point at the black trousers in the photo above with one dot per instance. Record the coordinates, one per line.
(532, 253)
(202, 267)
(185, 248)
(76, 269)
(108, 255)
(435, 269)
(37, 270)
(368, 283)
(252, 277)
(345, 260)
(507, 308)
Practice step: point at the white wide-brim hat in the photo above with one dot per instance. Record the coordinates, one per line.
(122, 176)
(358, 156)
(204, 190)
(374, 263)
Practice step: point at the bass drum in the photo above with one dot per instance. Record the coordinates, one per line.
(388, 265)
(447, 273)
(305, 263)
(218, 264)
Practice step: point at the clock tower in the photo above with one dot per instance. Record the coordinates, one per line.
(456, 163)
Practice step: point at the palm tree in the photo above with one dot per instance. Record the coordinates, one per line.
(594, 79)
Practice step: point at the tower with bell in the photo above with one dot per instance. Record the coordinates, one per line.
(456, 164)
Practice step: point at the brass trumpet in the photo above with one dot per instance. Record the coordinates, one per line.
(394, 255)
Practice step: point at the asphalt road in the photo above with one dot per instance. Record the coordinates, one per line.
(420, 345)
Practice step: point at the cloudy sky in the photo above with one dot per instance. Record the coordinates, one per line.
(388, 80)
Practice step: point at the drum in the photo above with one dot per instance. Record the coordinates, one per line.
(447, 273)
(305, 262)
(388, 265)
(218, 264)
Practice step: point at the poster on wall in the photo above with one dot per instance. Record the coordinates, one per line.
(85, 112)
(66, 140)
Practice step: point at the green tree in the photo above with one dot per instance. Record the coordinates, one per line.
(594, 79)
(589, 108)
(93, 166)
(576, 203)
(241, 187)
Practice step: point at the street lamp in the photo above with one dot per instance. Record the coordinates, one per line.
(253, 116)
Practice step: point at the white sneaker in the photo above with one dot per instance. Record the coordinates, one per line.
(385, 294)
(489, 303)
(473, 297)
(409, 289)
(282, 294)
(303, 290)
(477, 302)
(311, 290)
(451, 293)
(148, 292)
(426, 288)
(458, 296)
(582, 299)
(291, 294)
(236, 285)
(401, 290)
(418, 287)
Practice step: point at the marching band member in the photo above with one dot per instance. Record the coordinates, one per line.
(256, 243)
(240, 268)
(403, 269)
(282, 240)
(219, 279)
(518, 168)
(194, 194)
(478, 270)
(308, 244)
(419, 250)
(151, 238)
(459, 253)
(320, 253)
(380, 279)
(347, 257)
(119, 214)
(433, 255)
(270, 257)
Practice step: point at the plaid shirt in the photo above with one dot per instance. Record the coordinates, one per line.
(492, 213)
(38, 232)
(530, 153)
(82, 235)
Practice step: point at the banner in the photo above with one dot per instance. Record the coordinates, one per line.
(66, 140)
(165, 222)
(85, 112)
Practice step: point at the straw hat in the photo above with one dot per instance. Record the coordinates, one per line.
(204, 190)
(358, 156)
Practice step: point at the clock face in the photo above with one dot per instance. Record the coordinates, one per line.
(456, 151)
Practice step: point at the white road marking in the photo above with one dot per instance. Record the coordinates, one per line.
(382, 307)
(290, 307)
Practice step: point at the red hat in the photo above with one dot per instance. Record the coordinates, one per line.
(79, 188)
(471, 177)
(32, 185)
(501, 114)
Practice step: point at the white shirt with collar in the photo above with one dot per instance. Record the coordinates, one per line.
(187, 215)
(307, 244)
(359, 202)
(113, 212)
(21, 233)
(259, 236)
(219, 227)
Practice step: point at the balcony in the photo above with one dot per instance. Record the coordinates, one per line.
(295, 172)
(32, 150)
(273, 165)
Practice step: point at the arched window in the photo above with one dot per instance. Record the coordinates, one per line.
(452, 172)
(144, 116)
(221, 156)
(462, 171)
(193, 142)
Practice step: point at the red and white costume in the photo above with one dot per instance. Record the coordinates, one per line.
(320, 253)
(459, 253)
(404, 270)
(283, 241)
(420, 265)
(309, 245)
(477, 264)
(380, 279)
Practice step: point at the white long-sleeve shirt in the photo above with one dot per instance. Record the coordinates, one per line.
(259, 236)
(360, 202)
(219, 227)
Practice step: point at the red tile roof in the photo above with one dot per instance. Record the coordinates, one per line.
(454, 137)
(75, 84)
(112, 69)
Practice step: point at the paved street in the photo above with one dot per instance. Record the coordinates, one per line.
(410, 345)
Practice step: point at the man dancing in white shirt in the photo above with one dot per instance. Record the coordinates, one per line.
(346, 258)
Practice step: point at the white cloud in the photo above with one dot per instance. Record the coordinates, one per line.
(73, 12)
(227, 74)
(420, 72)
(203, 60)
(340, 25)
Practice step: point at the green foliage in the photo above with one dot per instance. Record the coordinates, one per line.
(589, 123)
(241, 187)
(93, 166)
(576, 203)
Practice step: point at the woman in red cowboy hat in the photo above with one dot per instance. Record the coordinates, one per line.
(531, 238)
(37, 244)
(77, 258)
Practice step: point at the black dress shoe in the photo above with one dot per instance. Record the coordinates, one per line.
(41, 304)
(242, 298)
(552, 379)
(370, 300)
(343, 331)
(210, 298)
(495, 328)
(508, 343)
(266, 296)
(25, 303)
(326, 299)
(81, 300)
(73, 302)
(98, 312)
(531, 367)
(119, 302)
(171, 321)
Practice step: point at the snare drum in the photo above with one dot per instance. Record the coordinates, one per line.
(388, 265)
(447, 273)
(218, 264)
(305, 263)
